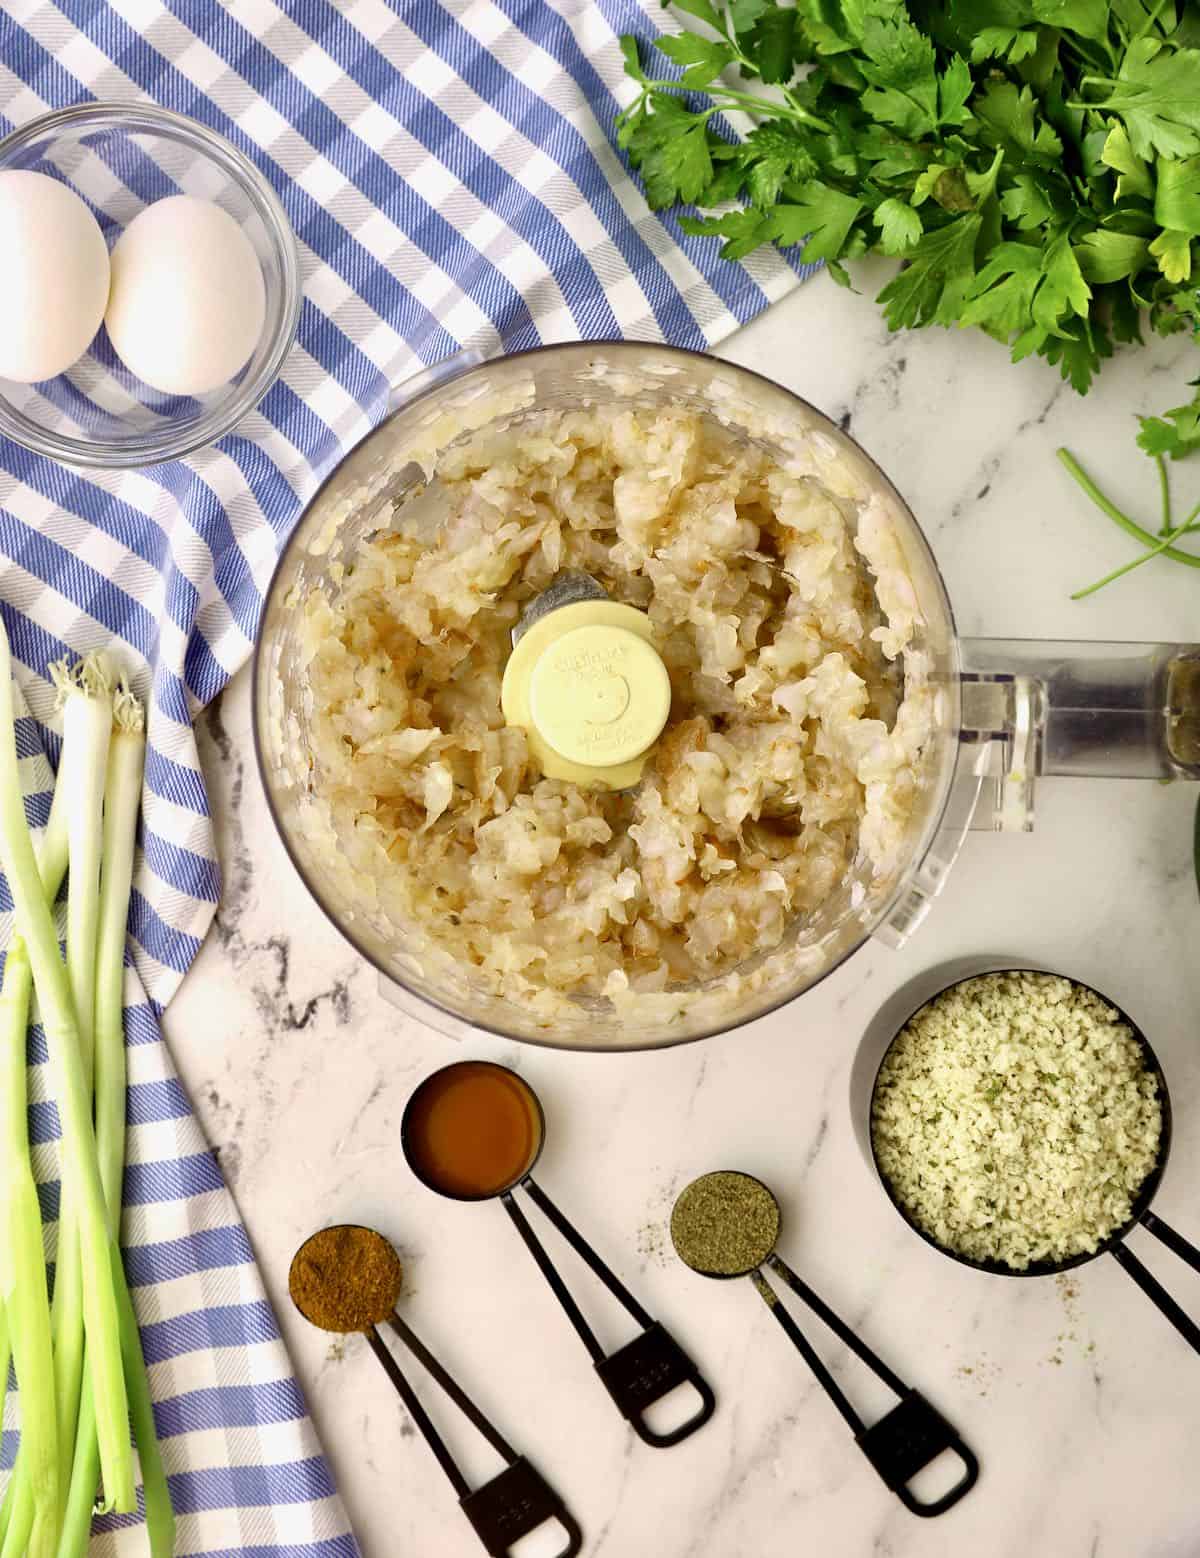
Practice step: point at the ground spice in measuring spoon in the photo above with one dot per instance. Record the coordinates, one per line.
(472, 1130)
(725, 1224)
(345, 1278)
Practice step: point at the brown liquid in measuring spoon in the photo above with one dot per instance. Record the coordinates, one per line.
(473, 1130)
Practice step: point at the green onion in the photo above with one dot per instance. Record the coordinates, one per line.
(160, 1517)
(80, 1169)
(85, 698)
(22, 1267)
(16, 1513)
(122, 800)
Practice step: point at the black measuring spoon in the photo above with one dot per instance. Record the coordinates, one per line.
(474, 1131)
(885, 1026)
(518, 1499)
(726, 1224)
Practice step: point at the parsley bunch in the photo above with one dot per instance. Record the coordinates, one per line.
(1034, 163)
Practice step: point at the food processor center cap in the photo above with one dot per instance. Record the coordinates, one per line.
(590, 690)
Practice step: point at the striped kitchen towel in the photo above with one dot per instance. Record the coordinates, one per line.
(447, 166)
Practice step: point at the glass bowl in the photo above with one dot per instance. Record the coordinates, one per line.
(119, 158)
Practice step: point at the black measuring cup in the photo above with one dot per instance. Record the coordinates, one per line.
(886, 1028)
(645, 1369)
(517, 1500)
(902, 1442)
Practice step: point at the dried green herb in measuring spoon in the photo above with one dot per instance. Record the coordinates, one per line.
(726, 1224)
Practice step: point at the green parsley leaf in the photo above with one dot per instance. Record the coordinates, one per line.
(773, 42)
(1135, 175)
(928, 180)
(933, 286)
(1175, 433)
(1158, 97)
(982, 185)
(1011, 43)
(669, 147)
(780, 152)
(1173, 251)
(702, 10)
(1026, 288)
(906, 89)
(633, 62)
(1124, 312)
(1177, 195)
(1001, 297)
(1108, 256)
(1063, 289)
(899, 225)
(743, 231)
(1042, 69)
(744, 13)
(889, 155)
(1027, 202)
(727, 181)
(955, 86)
(705, 58)
(1013, 123)
(823, 216)
(1078, 351)
(1088, 18)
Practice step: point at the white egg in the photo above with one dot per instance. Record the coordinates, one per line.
(53, 276)
(187, 302)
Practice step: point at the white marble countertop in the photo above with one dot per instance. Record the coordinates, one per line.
(1080, 1399)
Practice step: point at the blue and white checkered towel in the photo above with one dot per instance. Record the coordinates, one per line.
(447, 167)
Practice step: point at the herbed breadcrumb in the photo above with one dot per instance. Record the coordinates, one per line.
(1015, 1119)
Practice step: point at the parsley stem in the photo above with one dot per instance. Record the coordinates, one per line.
(1137, 562)
(1164, 487)
(1151, 19)
(748, 68)
(1130, 526)
(753, 104)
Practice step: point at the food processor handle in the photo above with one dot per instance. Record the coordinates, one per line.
(1102, 710)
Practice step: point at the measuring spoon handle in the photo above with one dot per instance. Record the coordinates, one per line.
(643, 1371)
(515, 1503)
(904, 1440)
(517, 1500)
(419, 1415)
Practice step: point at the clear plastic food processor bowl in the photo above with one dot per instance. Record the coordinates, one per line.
(1004, 711)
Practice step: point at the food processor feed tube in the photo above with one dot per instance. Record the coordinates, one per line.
(990, 716)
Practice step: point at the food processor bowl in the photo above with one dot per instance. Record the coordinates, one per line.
(393, 466)
(999, 713)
